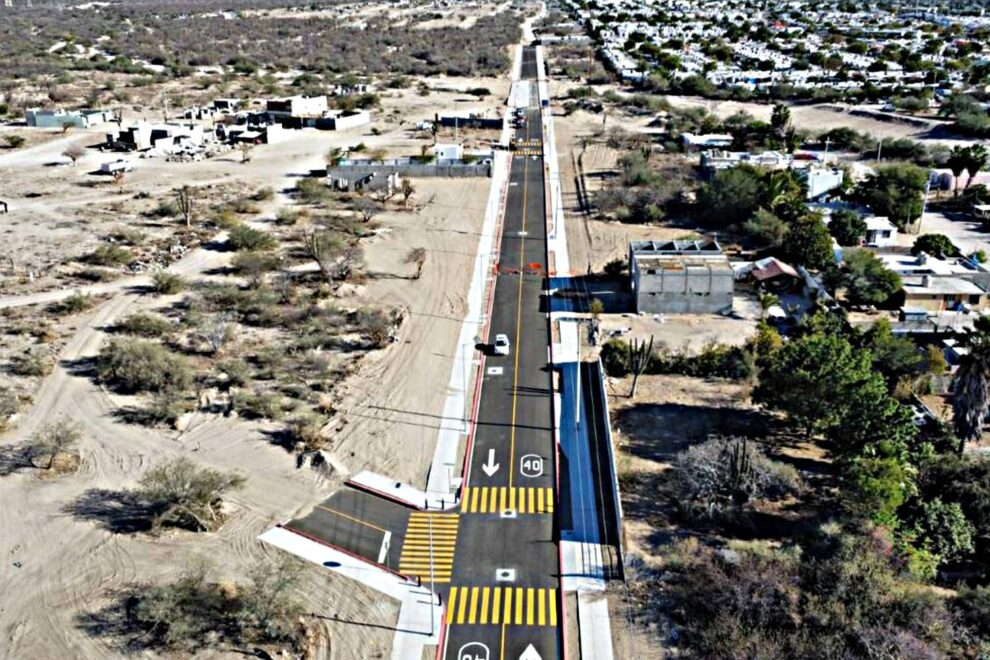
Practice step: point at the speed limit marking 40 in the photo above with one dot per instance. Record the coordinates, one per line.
(531, 465)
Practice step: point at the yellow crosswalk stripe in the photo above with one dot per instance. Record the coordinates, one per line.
(472, 611)
(428, 547)
(514, 606)
(494, 500)
(483, 615)
(451, 604)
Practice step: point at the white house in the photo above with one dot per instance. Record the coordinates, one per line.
(448, 151)
(880, 231)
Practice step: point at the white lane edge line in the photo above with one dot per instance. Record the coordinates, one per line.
(386, 542)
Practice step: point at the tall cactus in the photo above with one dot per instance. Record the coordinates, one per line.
(740, 475)
(640, 353)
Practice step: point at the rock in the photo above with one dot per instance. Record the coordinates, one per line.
(182, 421)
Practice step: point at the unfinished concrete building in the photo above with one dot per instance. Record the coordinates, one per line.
(680, 277)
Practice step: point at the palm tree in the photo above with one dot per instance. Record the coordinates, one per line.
(977, 159)
(957, 162)
(971, 386)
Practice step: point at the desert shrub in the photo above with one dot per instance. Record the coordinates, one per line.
(304, 432)
(196, 611)
(179, 493)
(164, 409)
(165, 209)
(258, 405)
(32, 362)
(13, 141)
(165, 283)
(9, 405)
(54, 444)
(838, 597)
(265, 194)
(243, 205)
(254, 265)
(243, 237)
(133, 365)
(109, 255)
(96, 274)
(377, 325)
(235, 371)
(287, 216)
(77, 302)
(722, 474)
(144, 324)
(313, 191)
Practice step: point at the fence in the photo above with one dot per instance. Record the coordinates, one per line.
(406, 167)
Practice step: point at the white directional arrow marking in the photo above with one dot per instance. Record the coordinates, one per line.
(530, 654)
(491, 467)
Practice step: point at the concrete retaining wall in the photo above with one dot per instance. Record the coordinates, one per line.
(414, 170)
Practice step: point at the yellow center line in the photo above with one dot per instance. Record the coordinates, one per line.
(352, 518)
(515, 368)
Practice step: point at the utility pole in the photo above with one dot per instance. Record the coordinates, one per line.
(879, 147)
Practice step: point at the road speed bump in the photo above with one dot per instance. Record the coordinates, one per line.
(501, 499)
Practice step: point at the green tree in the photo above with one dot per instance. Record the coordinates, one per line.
(957, 161)
(944, 529)
(731, 197)
(976, 159)
(937, 245)
(866, 279)
(780, 121)
(808, 242)
(810, 378)
(971, 385)
(766, 228)
(894, 357)
(847, 227)
(877, 487)
(896, 191)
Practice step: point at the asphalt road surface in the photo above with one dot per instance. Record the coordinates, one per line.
(504, 592)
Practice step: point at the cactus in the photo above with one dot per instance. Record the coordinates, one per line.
(740, 475)
(640, 353)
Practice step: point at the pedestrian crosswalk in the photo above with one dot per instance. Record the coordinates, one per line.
(519, 606)
(497, 499)
(528, 152)
(428, 546)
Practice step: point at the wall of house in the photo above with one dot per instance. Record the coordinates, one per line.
(692, 290)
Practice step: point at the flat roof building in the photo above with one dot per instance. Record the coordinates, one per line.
(680, 277)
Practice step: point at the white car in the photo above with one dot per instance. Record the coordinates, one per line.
(501, 345)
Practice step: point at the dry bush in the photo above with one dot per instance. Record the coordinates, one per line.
(133, 365)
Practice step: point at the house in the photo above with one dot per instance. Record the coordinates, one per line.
(880, 231)
(821, 180)
(59, 118)
(680, 277)
(769, 272)
(141, 136)
(448, 151)
(295, 107)
(937, 294)
(342, 120)
(226, 105)
(709, 140)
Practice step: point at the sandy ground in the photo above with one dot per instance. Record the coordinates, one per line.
(591, 242)
(68, 564)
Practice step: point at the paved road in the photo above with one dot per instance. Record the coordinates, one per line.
(504, 593)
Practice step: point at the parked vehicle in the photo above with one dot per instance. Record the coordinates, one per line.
(501, 345)
(114, 166)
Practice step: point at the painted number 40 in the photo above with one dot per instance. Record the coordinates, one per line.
(531, 465)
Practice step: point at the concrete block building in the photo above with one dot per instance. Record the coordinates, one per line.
(680, 277)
